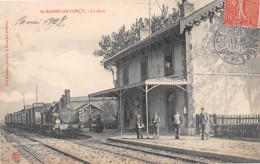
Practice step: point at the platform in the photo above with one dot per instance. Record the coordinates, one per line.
(227, 149)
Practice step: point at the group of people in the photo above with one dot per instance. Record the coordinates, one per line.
(177, 121)
(98, 124)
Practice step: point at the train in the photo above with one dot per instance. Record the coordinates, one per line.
(57, 119)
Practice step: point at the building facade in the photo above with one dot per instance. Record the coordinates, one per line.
(195, 62)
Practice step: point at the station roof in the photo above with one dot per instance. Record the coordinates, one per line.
(88, 106)
(114, 91)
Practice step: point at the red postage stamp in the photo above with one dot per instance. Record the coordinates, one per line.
(242, 13)
(16, 157)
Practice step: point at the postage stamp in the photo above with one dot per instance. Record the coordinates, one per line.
(242, 13)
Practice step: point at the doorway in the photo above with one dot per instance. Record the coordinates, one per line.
(171, 103)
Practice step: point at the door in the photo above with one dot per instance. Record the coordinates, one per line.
(171, 103)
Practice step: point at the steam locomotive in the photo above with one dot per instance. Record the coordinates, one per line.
(53, 119)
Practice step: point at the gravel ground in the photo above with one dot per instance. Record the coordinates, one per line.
(6, 153)
(89, 154)
(180, 157)
(97, 150)
(45, 154)
(145, 157)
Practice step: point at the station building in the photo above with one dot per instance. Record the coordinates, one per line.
(195, 62)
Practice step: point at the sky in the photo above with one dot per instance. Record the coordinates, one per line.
(60, 57)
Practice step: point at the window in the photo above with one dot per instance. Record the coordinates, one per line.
(143, 71)
(125, 76)
(168, 65)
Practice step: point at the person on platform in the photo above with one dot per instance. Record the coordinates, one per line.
(139, 126)
(156, 121)
(204, 121)
(99, 124)
(176, 123)
(90, 123)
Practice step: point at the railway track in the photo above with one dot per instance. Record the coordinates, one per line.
(86, 150)
(148, 151)
(125, 155)
(36, 158)
(155, 152)
(60, 151)
(29, 155)
(117, 156)
(101, 151)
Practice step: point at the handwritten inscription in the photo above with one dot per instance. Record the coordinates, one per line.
(74, 11)
(236, 45)
(50, 21)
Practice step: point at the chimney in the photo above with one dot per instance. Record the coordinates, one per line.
(67, 97)
(143, 33)
(186, 8)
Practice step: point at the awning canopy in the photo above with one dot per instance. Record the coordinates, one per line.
(114, 92)
(165, 81)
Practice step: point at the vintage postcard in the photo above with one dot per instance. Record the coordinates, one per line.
(134, 81)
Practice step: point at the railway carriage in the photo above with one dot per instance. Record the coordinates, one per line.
(8, 119)
(23, 115)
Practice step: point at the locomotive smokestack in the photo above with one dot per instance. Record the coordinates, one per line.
(67, 97)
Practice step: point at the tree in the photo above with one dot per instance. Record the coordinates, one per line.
(109, 45)
(109, 110)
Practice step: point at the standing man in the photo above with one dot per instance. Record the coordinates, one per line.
(99, 124)
(204, 120)
(139, 126)
(176, 123)
(156, 121)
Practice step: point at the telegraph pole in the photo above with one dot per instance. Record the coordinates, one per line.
(23, 100)
(36, 93)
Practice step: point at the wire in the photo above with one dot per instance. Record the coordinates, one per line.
(159, 6)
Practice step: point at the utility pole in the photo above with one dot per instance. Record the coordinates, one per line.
(36, 93)
(23, 100)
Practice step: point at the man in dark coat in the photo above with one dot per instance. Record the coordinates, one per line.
(139, 125)
(156, 121)
(99, 124)
(176, 123)
(204, 121)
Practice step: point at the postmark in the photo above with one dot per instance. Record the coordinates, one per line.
(243, 13)
(235, 45)
(16, 157)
